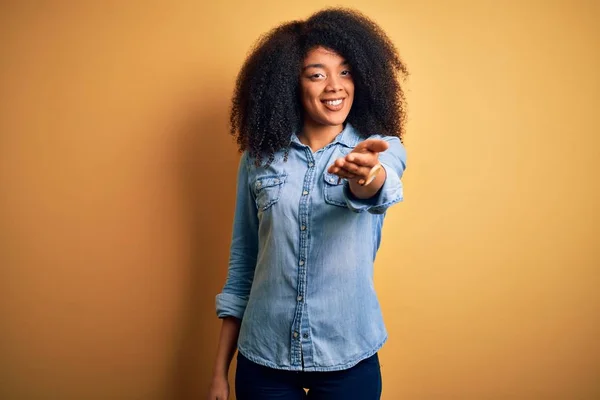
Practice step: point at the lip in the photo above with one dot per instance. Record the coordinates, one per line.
(334, 108)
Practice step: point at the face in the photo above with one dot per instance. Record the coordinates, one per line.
(327, 88)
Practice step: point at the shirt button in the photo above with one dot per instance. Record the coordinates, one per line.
(295, 334)
(299, 298)
(305, 336)
(305, 192)
(301, 262)
(303, 228)
(310, 164)
(276, 181)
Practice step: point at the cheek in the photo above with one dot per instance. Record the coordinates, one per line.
(310, 98)
(350, 89)
(304, 98)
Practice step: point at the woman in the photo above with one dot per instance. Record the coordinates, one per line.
(318, 113)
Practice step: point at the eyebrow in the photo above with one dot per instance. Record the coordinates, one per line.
(321, 65)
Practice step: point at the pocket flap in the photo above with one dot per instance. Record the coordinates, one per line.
(332, 179)
(268, 181)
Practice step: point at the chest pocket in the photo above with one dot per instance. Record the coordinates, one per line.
(267, 190)
(334, 191)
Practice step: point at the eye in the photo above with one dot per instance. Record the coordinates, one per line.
(346, 72)
(316, 76)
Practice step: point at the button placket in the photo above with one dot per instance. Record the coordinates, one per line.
(303, 213)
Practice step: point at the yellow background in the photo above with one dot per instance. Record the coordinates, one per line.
(117, 191)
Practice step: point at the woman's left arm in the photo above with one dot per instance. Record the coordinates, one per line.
(386, 188)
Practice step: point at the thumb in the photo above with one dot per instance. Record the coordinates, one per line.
(374, 145)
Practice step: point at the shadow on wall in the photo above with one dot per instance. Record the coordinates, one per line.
(208, 167)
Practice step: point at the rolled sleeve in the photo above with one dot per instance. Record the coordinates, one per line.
(233, 299)
(393, 160)
(230, 305)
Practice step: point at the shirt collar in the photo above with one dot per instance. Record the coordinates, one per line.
(349, 137)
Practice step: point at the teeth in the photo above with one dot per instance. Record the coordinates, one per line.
(334, 102)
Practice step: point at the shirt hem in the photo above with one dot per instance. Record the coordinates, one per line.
(317, 368)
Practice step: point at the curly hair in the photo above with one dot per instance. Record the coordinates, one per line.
(266, 107)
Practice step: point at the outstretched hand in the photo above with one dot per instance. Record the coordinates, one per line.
(358, 165)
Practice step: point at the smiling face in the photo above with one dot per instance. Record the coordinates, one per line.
(327, 88)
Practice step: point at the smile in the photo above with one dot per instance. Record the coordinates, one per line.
(333, 104)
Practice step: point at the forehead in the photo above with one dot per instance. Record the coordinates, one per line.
(322, 55)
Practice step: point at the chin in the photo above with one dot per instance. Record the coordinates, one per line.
(338, 120)
(336, 123)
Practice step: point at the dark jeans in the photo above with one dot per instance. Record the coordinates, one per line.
(255, 382)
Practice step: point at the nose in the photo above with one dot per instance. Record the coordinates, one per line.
(333, 84)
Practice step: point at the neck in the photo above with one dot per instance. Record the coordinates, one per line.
(318, 136)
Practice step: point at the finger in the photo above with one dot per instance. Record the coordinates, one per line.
(357, 169)
(344, 174)
(374, 145)
(367, 159)
(337, 164)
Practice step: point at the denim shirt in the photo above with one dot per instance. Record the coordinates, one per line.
(301, 260)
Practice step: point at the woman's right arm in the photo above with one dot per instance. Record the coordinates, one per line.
(231, 302)
(230, 329)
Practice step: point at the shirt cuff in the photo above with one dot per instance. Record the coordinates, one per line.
(390, 193)
(230, 305)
